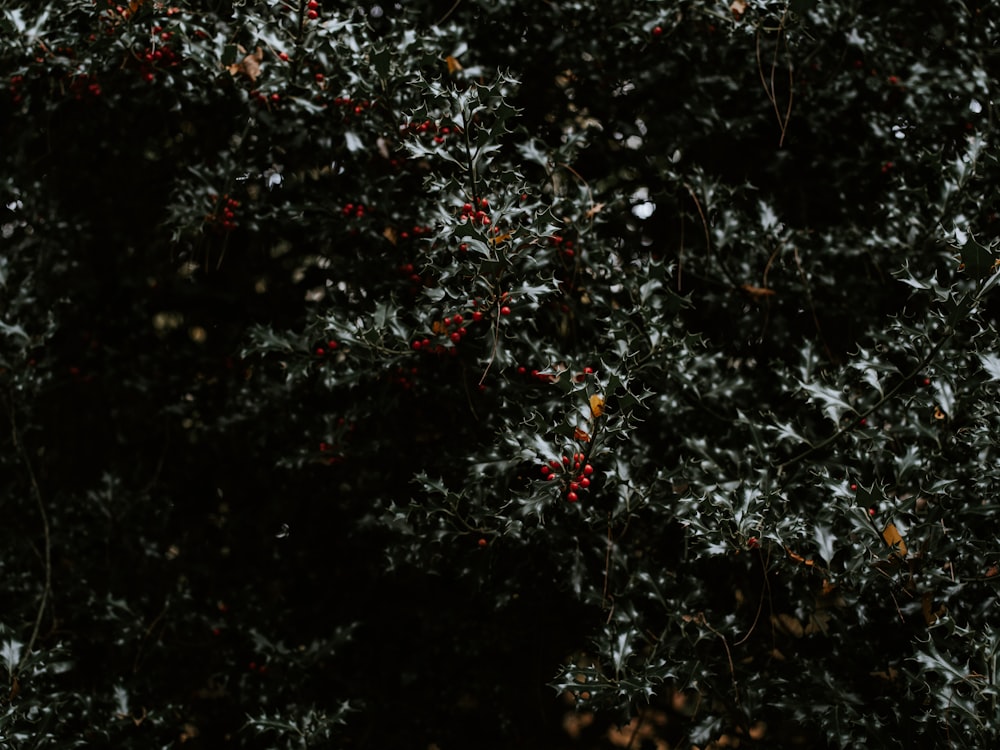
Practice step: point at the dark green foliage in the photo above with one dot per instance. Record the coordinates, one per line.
(409, 376)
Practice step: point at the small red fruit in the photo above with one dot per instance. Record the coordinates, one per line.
(588, 470)
(483, 542)
(416, 346)
(283, 56)
(505, 310)
(456, 337)
(657, 30)
(313, 15)
(319, 77)
(752, 542)
(477, 316)
(572, 497)
(854, 487)
(332, 345)
(584, 482)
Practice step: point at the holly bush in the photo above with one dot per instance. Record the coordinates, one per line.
(567, 374)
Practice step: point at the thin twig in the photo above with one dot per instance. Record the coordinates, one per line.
(704, 221)
(37, 492)
(812, 307)
(760, 608)
(607, 564)
(729, 656)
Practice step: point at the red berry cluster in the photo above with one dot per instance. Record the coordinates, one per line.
(453, 328)
(348, 105)
(438, 133)
(157, 55)
(575, 480)
(477, 215)
(83, 85)
(224, 219)
(416, 231)
(357, 210)
(322, 350)
(564, 246)
(15, 88)
(260, 669)
(312, 10)
(261, 98)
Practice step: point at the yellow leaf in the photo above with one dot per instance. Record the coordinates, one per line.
(453, 65)
(596, 405)
(894, 539)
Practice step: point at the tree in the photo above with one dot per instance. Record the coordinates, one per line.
(395, 375)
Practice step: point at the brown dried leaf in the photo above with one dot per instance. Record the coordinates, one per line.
(757, 292)
(594, 210)
(894, 539)
(249, 65)
(738, 8)
(580, 435)
(390, 234)
(453, 65)
(788, 624)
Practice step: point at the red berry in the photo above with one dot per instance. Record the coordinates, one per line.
(323, 447)
(871, 511)
(854, 487)
(574, 485)
(584, 482)
(456, 337)
(320, 351)
(572, 497)
(275, 97)
(458, 319)
(313, 15)
(477, 316)
(416, 345)
(752, 542)
(551, 476)
(522, 370)
(482, 542)
(332, 345)
(313, 5)
(505, 310)
(319, 77)
(546, 471)
(565, 460)
(283, 56)
(588, 470)
(657, 30)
